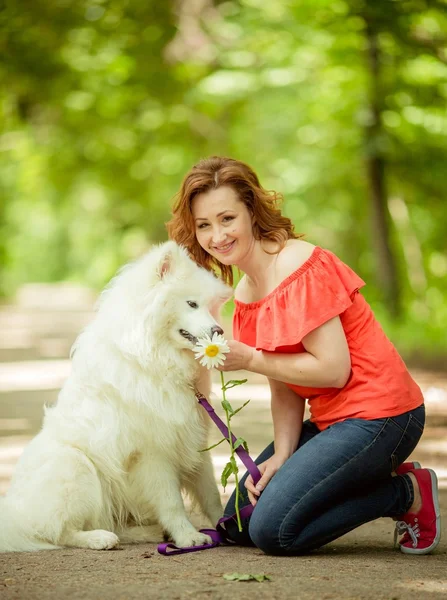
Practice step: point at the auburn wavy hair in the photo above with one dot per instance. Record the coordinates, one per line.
(210, 174)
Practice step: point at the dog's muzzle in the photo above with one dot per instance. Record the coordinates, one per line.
(188, 336)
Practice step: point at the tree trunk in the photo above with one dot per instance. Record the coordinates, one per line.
(387, 274)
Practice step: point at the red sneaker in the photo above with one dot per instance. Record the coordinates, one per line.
(407, 466)
(422, 529)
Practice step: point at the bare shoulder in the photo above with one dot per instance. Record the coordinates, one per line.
(294, 254)
(241, 291)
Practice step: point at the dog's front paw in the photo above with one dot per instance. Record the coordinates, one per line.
(102, 540)
(194, 538)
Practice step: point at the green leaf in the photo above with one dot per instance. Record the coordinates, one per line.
(228, 470)
(233, 383)
(240, 408)
(227, 407)
(262, 577)
(240, 442)
(246, 577)
(235, 468)
(214, 445)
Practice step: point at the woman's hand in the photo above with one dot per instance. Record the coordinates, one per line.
(267, 469)
(239, 357)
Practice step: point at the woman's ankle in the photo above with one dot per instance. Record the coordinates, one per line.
(417, 500)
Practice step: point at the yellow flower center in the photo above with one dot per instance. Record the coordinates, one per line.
(212, 350)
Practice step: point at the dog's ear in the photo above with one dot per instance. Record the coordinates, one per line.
(167, 259)
(173, 258)
(165, 266)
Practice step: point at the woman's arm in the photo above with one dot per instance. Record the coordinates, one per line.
(287, 414)
(326, 362)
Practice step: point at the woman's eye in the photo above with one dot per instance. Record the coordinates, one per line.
(228, 218)
(192, 304)
(202, 225)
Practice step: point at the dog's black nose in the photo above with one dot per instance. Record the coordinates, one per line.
(216, 329)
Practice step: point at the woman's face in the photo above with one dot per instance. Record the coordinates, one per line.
(223, 225)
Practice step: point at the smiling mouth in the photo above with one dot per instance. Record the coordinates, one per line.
(224, 248)
(188, 336)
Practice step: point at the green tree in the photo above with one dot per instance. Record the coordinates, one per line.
(338, 104)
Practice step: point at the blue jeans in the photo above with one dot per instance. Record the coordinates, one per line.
(336, 480)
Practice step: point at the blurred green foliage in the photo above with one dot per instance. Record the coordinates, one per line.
(106, 104)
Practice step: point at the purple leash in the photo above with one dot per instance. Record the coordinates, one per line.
(218, 535)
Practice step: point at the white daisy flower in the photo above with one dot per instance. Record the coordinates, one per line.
(210, 352)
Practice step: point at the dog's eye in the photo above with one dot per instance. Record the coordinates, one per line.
(192, 304)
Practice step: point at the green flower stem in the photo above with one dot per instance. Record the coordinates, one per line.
(230, 439)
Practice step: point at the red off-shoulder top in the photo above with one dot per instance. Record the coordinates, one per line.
(322, 288)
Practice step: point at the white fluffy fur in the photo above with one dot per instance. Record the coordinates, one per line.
(122, 441)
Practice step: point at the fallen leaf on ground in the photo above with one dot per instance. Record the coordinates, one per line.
(246, 577)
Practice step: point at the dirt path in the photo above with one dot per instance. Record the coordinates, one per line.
(34, 341)
(362, 565)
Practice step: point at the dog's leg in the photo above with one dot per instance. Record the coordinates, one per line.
(161, 487)
(97, 539)
(204, 490)
(64, 503)
(141, 534)
(82, 507)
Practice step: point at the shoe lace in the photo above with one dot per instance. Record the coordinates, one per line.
(412, 530)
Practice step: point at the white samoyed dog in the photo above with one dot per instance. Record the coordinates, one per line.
(123, 439)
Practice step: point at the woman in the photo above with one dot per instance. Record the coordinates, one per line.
(301, 321)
